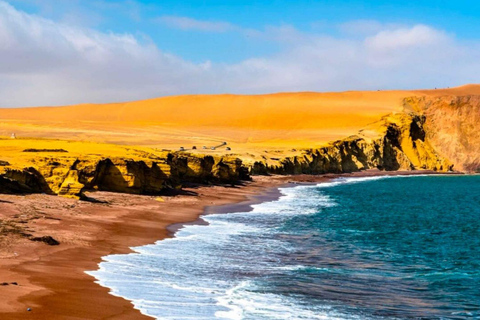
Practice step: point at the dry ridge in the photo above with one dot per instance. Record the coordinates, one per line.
(135, 147)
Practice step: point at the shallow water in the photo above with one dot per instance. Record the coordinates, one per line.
(355, 248)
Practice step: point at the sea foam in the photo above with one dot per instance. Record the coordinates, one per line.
(211, 271)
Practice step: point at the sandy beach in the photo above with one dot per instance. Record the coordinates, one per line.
(51, 280)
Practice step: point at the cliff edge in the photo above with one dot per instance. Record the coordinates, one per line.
(414, 130)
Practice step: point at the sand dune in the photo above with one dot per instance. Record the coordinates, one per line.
(248, 122)
(257, 118)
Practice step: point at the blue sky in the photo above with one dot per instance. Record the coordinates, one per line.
(145, 18)
(73, 51)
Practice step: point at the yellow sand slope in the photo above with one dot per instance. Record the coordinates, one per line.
(256, 127)
(248, 123)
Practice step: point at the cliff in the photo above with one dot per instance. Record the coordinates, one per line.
(451, 126)
(71, 177)
(396, 142)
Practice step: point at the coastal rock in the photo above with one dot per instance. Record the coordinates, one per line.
(451, 126)
(47, 240)
(72, 177)
(396, 142)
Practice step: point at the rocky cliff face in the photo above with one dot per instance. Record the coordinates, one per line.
(435, 133)
(72, 177)
(397, 142)
(452, 127)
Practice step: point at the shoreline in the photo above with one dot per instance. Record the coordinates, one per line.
(272, 193)
(51, 280)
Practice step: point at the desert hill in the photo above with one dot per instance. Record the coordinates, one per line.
(283, 120)
(144, 146)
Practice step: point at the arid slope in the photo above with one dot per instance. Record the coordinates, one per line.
(135, 147)
(279, 121)
(248, 123)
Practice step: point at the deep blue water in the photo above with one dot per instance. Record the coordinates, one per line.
(381, 248)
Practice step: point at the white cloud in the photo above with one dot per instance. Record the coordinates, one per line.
(50, 63)
(402, 38)
(186, 23)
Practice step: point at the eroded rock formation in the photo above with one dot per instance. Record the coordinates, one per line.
(396, 142)
(452, 127)
(72, 177)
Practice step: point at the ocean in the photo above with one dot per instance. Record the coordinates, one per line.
(352, 248)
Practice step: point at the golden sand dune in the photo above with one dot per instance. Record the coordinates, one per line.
(248, 122)
(277, 120)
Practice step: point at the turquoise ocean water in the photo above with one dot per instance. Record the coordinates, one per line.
(354, 248)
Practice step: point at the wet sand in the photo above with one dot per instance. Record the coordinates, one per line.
(51, 280)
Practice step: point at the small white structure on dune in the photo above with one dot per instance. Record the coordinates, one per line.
(13, 136)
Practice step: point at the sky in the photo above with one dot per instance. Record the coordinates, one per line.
(59, 52)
